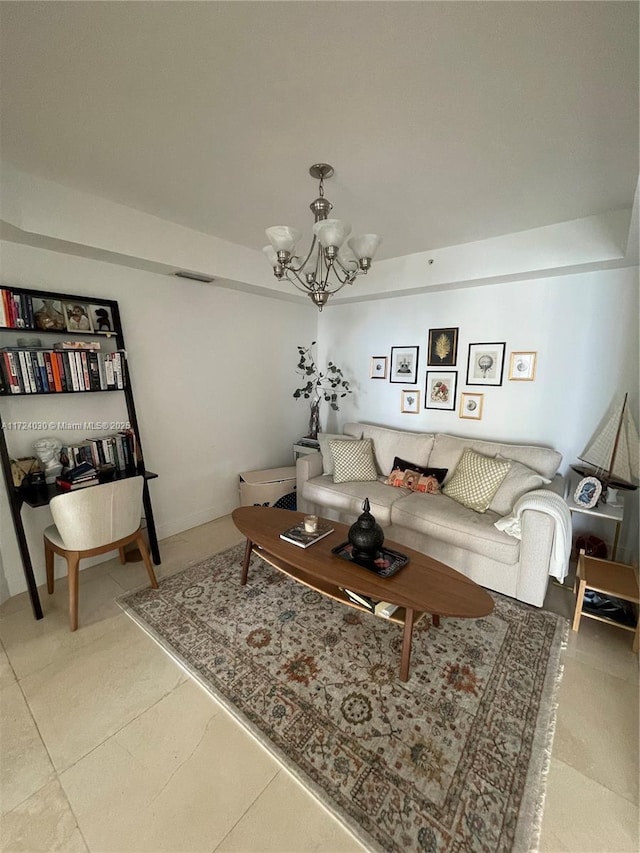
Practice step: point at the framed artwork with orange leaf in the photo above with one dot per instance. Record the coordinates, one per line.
(443, 347)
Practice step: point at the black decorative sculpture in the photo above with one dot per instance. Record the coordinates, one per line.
(365, 535)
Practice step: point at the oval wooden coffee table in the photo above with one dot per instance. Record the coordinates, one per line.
(423, 586)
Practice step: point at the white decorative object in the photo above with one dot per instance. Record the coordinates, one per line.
(48, 452)
(588, 492)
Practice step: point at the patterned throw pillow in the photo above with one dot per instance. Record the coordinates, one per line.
(353, 460)
(414, 480)
(476, 480)
(403, 465)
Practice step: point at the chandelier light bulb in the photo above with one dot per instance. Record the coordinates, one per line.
(365, 246)
(283, 238)
(331, 232)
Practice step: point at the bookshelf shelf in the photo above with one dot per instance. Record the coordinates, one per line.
(20, 305)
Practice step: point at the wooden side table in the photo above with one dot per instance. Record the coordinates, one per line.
(607, 578)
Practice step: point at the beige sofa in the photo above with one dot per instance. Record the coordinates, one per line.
(436, 524)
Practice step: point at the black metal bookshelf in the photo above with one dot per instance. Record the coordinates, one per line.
(39, 496)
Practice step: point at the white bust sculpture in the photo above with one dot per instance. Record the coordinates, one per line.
(48, 450)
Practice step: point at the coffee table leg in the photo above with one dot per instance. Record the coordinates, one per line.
(435, 620)
(406, 645)
(245, 564)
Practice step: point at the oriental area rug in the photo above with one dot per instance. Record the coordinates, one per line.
(454, 759)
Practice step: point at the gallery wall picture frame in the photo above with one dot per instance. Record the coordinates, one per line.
(471, 406)
(378, 369)
(486, 363)
(443, 348)
(440, 390)
(410, 401)
(522, 366)
(404, 365)
(78, 317)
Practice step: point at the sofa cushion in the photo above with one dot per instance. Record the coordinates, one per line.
(348, 497)
(402, 464)
(407, 478)
(389, 443)
(518, 482)
(352, 460)
(476, 480)
(447, 450)
(443, 519)
(323, 439)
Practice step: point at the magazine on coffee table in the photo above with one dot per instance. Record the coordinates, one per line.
(299, 536)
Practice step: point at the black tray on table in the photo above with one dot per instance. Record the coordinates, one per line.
(386, 564)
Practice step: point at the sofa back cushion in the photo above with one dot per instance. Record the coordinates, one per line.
(448, 449)
(389, 443)
(518, 482)
(323, 439)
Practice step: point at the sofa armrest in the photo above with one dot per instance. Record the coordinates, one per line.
(307, 467)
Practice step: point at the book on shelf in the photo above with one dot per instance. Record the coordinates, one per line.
(308, 442)
(87, 345)
(385, 609)
(116, 451)
(361, 599)
(76, 484)
(381, 608)
(39, 370)
(297, 535)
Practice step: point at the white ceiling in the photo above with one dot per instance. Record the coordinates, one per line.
(445, 122)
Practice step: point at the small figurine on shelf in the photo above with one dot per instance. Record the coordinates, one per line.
(48, 452)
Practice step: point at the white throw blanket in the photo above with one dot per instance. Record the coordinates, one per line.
(543, 500)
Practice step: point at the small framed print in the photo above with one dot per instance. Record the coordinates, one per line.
(404, 365)
(440, 390)
(588, 492)
(78, 317)
(522, 366)
(410, 402)
(486, 364)
(378, 368)
(471, 406)
(102, 319)
(443, 347)
(49, 315)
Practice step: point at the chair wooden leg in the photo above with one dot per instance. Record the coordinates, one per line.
(48, 561)
(142, 545)
(123, 556)
(73, 562)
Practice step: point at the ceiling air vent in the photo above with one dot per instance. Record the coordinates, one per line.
(194, 276)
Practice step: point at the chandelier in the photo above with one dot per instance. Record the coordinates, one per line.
(330, 263)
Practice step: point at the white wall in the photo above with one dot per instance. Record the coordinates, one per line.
(584, 328)
(213, 372)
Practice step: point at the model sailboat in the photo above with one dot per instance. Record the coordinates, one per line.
(612, 454)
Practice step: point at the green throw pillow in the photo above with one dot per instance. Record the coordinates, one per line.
(353, 460)
(476, 480)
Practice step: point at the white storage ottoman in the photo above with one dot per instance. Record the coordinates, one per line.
(265, 487)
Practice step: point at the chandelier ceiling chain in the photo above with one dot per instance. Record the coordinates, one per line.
(330, 263)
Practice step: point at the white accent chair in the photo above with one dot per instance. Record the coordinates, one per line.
(93, 521)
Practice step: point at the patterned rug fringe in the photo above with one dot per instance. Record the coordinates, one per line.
(530, 814)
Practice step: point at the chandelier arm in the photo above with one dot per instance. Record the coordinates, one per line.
(302, 286)
(313, 245)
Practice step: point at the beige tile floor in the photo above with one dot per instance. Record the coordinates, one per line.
(106, 745)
